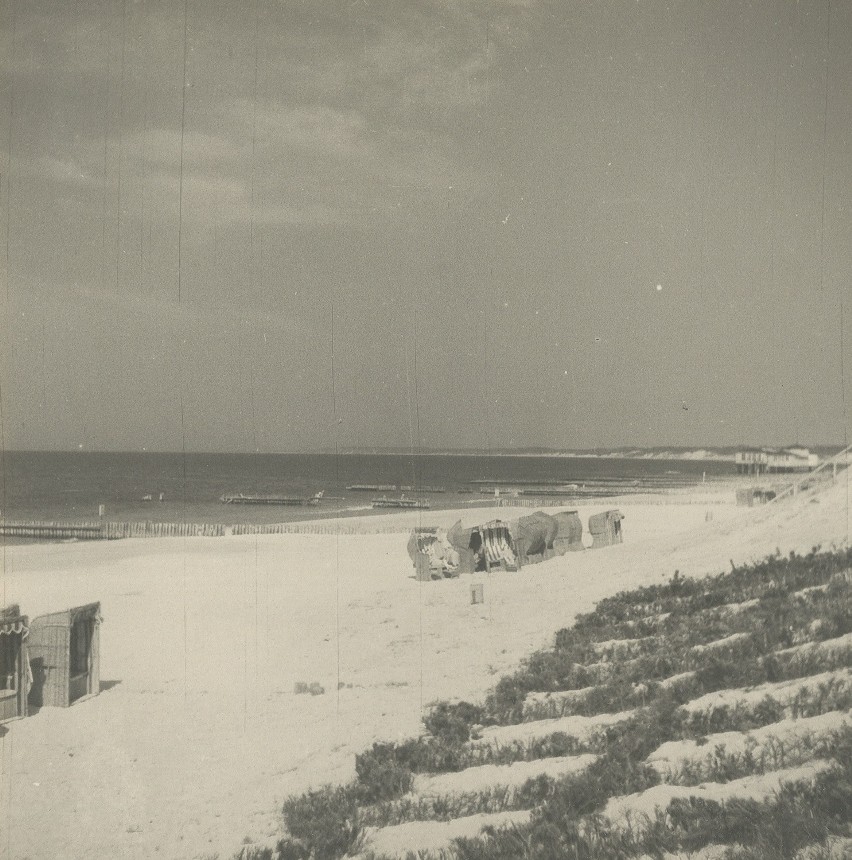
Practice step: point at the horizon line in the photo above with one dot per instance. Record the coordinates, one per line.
(399, 451)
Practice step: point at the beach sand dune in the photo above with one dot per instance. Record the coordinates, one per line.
(198, 735)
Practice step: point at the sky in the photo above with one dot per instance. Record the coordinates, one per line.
(292, 225)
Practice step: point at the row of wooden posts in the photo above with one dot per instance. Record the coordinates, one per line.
(101, 530)
(114, 531)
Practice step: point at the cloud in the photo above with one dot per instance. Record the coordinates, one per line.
(279, 163)
(68, 171)
(344, 114)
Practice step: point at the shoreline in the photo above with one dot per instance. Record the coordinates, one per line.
(72, 488)
(355, 520)
(718, 490)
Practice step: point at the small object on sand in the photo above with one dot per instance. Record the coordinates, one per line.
(313, 688)
(477, 593)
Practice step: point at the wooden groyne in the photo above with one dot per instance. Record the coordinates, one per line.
(116, 531)
(58, 531)
(107, 531)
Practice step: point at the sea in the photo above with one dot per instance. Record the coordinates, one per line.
(72, 486)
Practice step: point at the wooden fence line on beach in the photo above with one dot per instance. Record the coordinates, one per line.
(85, 531)
(100, 530)
(119, 530)
(116, 531)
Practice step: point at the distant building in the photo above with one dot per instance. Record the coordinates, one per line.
(761, 461)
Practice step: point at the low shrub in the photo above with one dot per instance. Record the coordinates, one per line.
(582, 794)
(382, 774)
(322, 824)
(451, 723)
(252, 852)
(512, 843)
(504, 705)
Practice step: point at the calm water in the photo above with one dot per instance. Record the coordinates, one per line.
(70, 486)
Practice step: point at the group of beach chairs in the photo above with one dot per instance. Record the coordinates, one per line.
(507, 545)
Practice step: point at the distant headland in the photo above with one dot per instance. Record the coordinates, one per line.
(720, 454)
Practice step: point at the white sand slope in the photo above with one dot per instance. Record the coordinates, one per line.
(416, 836)
(723, 644)
(634, 811)
(509, 776)
(561, 703)
(783, 692)
(772, 738)
(655, 619)
(198, 737)
(708, 852)
(836, 647)
(621, 649)
(674, 681)
(737, 608)
(579, 727)
(834, 848)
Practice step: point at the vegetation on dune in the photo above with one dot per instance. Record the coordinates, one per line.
(498, 798)
(451, 723)
(682, 595)
(323, 824)
(723, 765)
(798, 815)
(832, 695)
(719, 633)
(777, 620)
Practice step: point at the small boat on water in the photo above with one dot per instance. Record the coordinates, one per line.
(374, 488)
(385, 502)
(258, 499)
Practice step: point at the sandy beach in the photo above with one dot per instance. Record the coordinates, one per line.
(198, 736)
